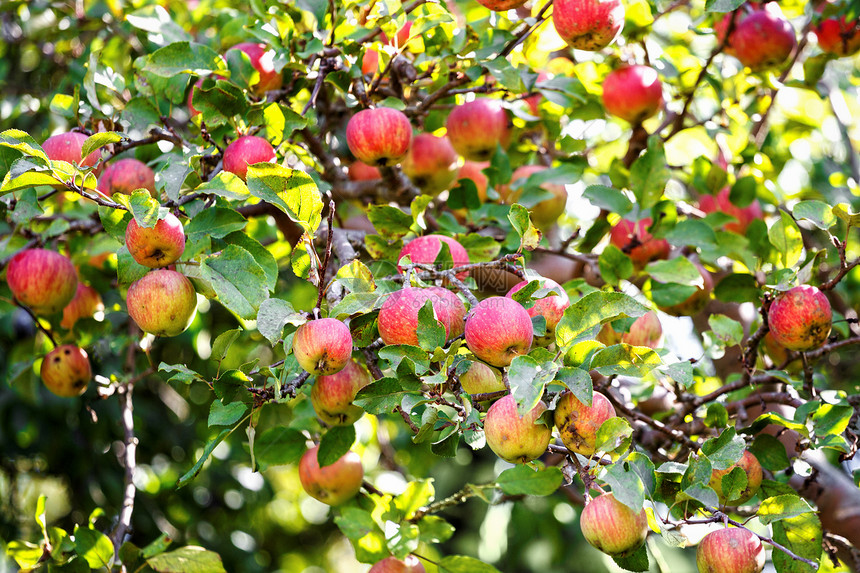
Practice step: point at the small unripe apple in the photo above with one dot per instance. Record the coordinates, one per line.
(424, 250)
(645, 331)
(157, 246)
(394, 565)
(323, 346)
(431, 163)
(546, 212)
(86, 302)
(398, 317)
(588, 24)
(722, 204)
(498, 329)
(481, 379)
(380, 136)
(360, 171)
(800, 318)
(763, 39)
(635, 240)
(333, 484)
(749, 463)
(501, 5)
(730, 550)
(126, 175)
(612, 527)
(696, 301)
(263, 61)
(578, 424)
(451, 310)
(68, 147)
(551, 307)
(633, 93)
(513, 438)
(474, 170)
(162, 302)
(43, 280)
(475, 128)
(247, 150)
(66, 371)
(332, 395)
(837, 36)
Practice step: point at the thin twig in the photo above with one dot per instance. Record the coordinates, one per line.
(129, 461)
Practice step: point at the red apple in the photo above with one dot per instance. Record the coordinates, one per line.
(263, 61)
(837, 36)
(612, 527)
(722, 204)
(332, 395)
(323, 346)
(800, 318)
(578, 424)
(66, 371)
(424, 250)
(380, 136)
(696, 301)
(551, 307)
(42, 280)
(475, 128)
(761, 39)
(501, 5)
(633, 93)
(126, 175)
(394, 565)
(498, 329)
(86, 302)
(247, 150)
(451, 310)
(68, 147)
(513, 438)
(333, 484)
(546, 212)
(156, 246)
(481, 379)
(400, 38)
(474, 171)
(588, 24)
(162, 302)
(730, 550)
(635, 240)
(645, 331)
(359, 171)
(398, 317)
(751, 466)
(369, 62)
(431, 163)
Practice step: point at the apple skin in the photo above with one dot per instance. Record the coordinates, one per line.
(450, 309)
(263, 61)
(369, 62)
(588, 24)
(498, 329)
(68, 147)
(162, 302)
(66, 371)
(332, 395)
(393, 565)
(698, 300)
(475, 128)
(398, 317)
(247, 150)
(838, 37)
(762, 39)
(43, 280)
(645, 331)
(514, 439)
(380, 136)
(126, 175)
(425, 249)
(546, 212)
(481, 379)
(551, 307)
(323, 347)
(648, 248)
(474, 170)
(501, 5)
(86, 302)
(800, 318)
(158, 246)
(730, 550)
(751, 466)
(612, 527)
(578, 424)
(431, 163)
(722, 204)
(633, 93)
(360, 171)
(333, 484)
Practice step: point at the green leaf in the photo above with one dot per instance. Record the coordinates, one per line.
(390, 222)
(94, 546)
(786, 239)
(225, 184)
(844, 212)
(739, 287)
(223, 343)
(734, 483)
(355, 523)
(626, 360)
(579, 382)
(26, 555)
(188, 559)
(480, 249)
(626, 486)
(727, 330)
(273, 315)
(431, 332)
(216, 222)
(581, 319)
(694, 233)
(528, 378)
(355, 303)
(831, 419)
(463, 564)
(261, 254)
(226, 415)
(680, 372)
(238, 281)
(180, 58)
(219, 101)
(523, 480)
(434, 529)
(722, 5)
(649, 175)
(334, 444)
(380, 397)
(770, 452)
(818, 213)
(279, 446)
(356, 277)
(638, 561)
(27, 207)
(782, 507)
(290, 190)
(614, 265)
(802, 535)
(99, 140)
(128, 270)
(608, 198)
(417, 494)
(23, 142)
(145, 210)
(725, 450)
(528, 233)
(678, 271)
(207, 451)
(613, 435)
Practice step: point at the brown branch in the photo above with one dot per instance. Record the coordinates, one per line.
(129, 461)
(525, 32)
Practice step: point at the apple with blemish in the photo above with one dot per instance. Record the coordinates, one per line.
(588, 24)
(431, 163)
(157, 246)
(514, 438)
(332, 395)
(551, 307)
(730, 550)
(86, 302)
(163, 302)
(498, 329)
(68, 147)
(481, 379)
(633, 93)
(612, 527)
(477, 127)
(263, 60)
(333, 484)
(578, 423)
(379, 136)
(126, 175)
(410, 564)
(635, 240)
(247, 150)
(42, 280)
(66, 371)
(751, 467)
(800, 318)
(424, 250)
(323, 346)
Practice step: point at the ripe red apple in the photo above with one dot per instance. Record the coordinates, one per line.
(380, 136)
(637, 242)
(501, 5)
(722, 204)
(398, 317)
(551, 307)
(44, 281)
(395, 565)
(633, 93)
(475, 128)
(800, 318)
(323, 346)
(86, 302)
(424, 250)
(498, 330)
(837, 36)
(126, 175)
(263, 61)
(66, 371)
(68, 147)
(481, 379)
(578, 424)
(156, 246)
(645, 331)
(588, 24)
(451, 310)
(333, 484)
(359, 171)
(612, 527)
(332, 395)
(546, 212)
(761, 39)
(749, 463)
(730, 550)
(513, 438)
(247, 150)
(369, 62)
(162, 302)
(696, 301)
(431, 163)
(474, 170)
